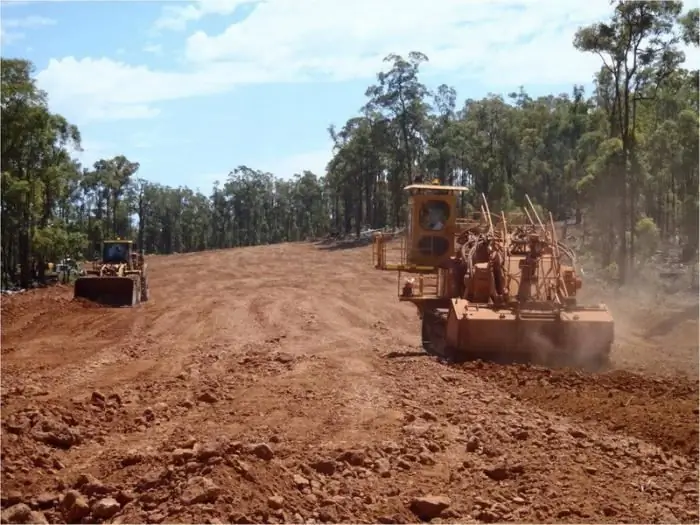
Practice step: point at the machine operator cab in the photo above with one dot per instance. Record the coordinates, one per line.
(116, 252)
(432, 215)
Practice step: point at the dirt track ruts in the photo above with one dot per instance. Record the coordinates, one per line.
(284, 383)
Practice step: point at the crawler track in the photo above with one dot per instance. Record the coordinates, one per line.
(286, 383)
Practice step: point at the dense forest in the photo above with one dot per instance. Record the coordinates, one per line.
(623, 159)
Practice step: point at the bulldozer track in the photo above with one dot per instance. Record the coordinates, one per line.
(284, 384)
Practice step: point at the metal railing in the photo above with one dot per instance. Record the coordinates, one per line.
(423, 285)
(388, 250)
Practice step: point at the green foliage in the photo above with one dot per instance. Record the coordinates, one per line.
(648, 236)
(622, 160)
(690, 26)
(54, 242)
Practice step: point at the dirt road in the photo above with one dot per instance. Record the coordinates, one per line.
(284, 383)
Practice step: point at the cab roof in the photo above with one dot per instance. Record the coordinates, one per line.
(435, 187)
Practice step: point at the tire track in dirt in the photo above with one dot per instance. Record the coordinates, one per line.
(290, 378)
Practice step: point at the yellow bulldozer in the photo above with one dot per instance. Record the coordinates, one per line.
(118, 279)
(491, 287)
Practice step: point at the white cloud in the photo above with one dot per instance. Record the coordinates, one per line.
(499, 44)
(177, 17)
(121, 91)
(9, 27)
(338, 40)
(116, 90)
(155, 49)
(7, 37)
(28, 22)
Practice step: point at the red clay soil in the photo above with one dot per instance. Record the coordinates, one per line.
(285, 384)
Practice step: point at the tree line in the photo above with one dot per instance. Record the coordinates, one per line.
(624, 160)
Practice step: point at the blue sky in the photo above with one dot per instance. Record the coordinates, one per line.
(193, 89)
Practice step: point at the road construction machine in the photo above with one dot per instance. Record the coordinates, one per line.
(493, 287)
(118, 279)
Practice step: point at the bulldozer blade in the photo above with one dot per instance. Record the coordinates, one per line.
(112, 291)
(580, 338)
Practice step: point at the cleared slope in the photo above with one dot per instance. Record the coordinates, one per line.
(284, 383)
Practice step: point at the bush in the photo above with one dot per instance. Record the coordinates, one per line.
(648, 237)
